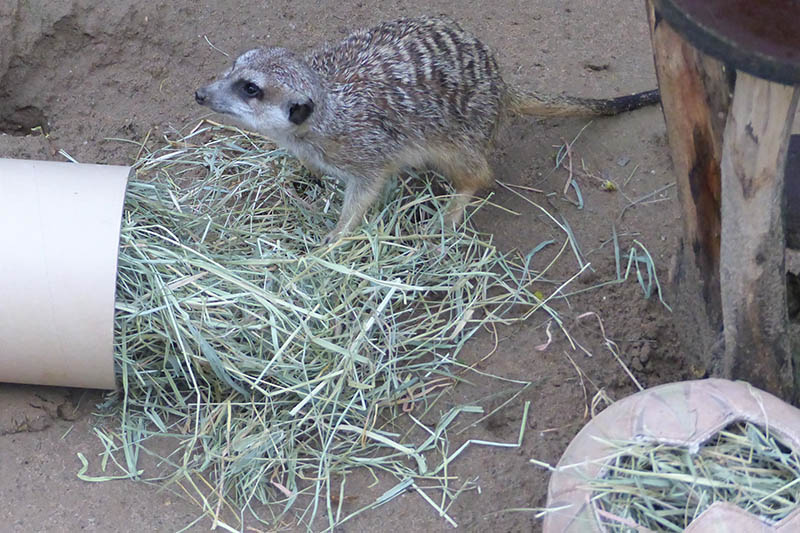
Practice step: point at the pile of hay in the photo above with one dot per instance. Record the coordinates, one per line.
(663, 488)
(274, 361)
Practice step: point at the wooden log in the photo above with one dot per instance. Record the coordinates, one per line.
(752, 264)
(695, 96)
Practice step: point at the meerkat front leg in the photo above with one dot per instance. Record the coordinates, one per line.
(359, 195)
(314, 171)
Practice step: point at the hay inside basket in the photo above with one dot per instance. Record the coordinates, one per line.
(277, 363)
(660, 488)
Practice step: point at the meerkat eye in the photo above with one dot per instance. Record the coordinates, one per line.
(251, 90)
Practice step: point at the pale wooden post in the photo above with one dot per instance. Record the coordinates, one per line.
(752, 266)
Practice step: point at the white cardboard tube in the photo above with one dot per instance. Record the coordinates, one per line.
(59, 240)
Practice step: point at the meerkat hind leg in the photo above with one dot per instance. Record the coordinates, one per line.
(468, 175)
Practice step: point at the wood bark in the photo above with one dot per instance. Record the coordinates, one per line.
(695, 97)
(752, 265)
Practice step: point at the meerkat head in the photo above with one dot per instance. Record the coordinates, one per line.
(268, 89)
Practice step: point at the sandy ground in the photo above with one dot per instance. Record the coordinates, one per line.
(122, 70)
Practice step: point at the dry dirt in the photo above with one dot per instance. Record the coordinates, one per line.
(87, 74)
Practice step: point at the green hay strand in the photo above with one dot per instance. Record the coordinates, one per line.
(275, 364)
(663, 487)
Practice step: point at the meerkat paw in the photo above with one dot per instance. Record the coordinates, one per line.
(454, 216)
(313, 173)
(332, 237)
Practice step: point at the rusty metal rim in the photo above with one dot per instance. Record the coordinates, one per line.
(713, 43)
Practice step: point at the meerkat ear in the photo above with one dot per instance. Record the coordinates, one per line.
(298, 113)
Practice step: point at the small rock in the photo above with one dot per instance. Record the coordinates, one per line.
(622, 161)
(644, 353)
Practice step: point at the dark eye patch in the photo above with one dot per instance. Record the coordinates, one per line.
(248, 89)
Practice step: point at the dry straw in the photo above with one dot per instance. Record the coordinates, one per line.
(662, 488)
(275, 363)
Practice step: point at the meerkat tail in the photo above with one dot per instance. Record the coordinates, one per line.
(569, 106)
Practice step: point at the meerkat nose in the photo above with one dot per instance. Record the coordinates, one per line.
(200, 96)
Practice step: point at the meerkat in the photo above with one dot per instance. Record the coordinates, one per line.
(412, 93)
